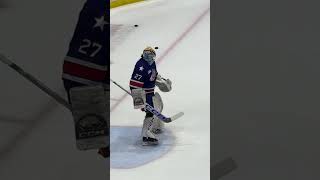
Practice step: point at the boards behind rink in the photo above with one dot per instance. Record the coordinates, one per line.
(127, 151)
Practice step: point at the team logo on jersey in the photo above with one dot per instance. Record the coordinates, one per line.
(153, 75)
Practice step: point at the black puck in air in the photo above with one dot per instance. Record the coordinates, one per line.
(156, 47)
(136, 25)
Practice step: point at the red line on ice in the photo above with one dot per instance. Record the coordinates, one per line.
(166, 52)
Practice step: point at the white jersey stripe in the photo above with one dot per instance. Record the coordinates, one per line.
(85, 63)
(81, 80)
(134, 86)
(136, 81)
(148, 88)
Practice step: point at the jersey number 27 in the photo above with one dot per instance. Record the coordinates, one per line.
(87, 44)
(137, 76)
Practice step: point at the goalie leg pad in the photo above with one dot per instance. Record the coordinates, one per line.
(158, 105)
(91, 116)
(148, 137)
(157, 102)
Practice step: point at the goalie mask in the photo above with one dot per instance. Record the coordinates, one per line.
(149, 54)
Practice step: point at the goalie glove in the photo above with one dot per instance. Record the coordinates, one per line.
(163, 84)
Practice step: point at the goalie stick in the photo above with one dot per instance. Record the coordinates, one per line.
(35, 81)
(152, 110)
(86, 136)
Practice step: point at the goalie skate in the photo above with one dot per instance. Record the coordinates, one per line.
(148, 141)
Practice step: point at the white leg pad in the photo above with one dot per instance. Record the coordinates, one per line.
(91, 116)
(158, 105)
(148, 124)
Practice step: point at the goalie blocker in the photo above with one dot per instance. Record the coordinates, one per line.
(91, 116)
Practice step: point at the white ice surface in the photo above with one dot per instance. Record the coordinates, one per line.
(36, 134)
(37, 141)
(161, 23)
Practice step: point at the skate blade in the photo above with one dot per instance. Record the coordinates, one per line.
(149, 143)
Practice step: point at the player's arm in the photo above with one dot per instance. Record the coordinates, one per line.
(137, 78)
(136, 86)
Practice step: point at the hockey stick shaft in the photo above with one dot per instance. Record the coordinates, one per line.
(151, 109)
(120, 86)
(35, 81)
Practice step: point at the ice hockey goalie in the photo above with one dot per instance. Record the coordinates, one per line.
(86, 76)
(142, 84)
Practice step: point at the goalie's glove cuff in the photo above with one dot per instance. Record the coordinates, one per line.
(163, 84)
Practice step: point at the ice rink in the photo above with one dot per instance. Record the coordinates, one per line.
(37, 137)
(181, 30)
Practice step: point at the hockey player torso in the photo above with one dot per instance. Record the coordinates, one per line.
(144, 76)
(87, 59)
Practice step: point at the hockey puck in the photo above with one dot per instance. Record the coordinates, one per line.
(156, 47)
(136, 25)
